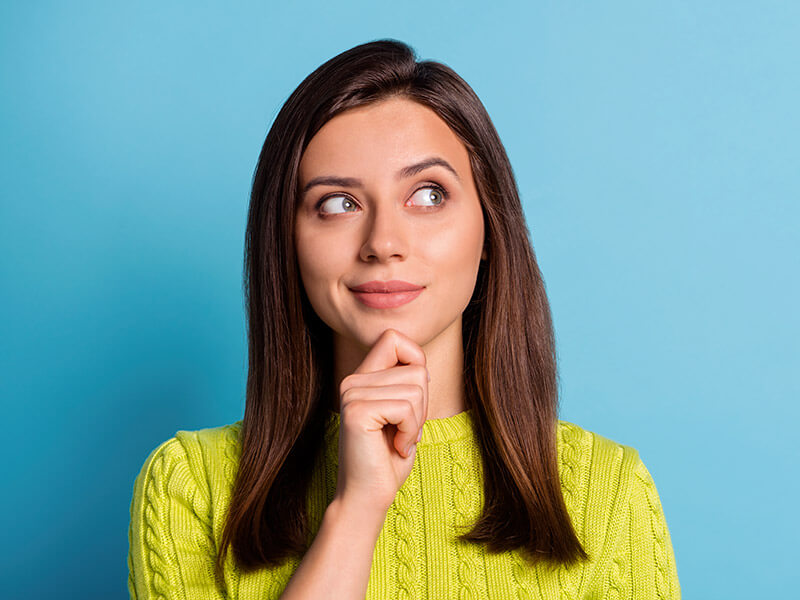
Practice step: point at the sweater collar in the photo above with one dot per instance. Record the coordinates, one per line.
(434, 431)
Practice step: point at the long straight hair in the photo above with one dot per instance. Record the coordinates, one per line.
(509, 346)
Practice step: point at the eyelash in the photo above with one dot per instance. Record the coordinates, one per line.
(434, 186)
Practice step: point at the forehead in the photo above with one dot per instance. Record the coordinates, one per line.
(379, 139)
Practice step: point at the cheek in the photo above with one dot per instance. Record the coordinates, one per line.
(307, 262)
(459, 246)
(455, 255)
(320, 267)
(314, 282)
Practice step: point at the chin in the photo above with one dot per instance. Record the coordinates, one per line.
(370, 330)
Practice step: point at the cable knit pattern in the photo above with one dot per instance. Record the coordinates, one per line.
(228, 448)
(404, 551)
(521, 573)
(155, 523)
(662, 550)
(569, 461)
(231, 450)
(167, 474)
(181, 495)
(463, 491)
(618, 577)
(569, 466)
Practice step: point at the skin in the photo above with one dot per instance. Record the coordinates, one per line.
(389, 228)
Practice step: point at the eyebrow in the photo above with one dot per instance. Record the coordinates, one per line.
(402, 173)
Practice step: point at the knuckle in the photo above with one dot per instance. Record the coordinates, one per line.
(413, 391)
(351, 409)
(347, 383)
(347, 397)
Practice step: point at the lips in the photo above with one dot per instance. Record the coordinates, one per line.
(386, 287)
(386, 294)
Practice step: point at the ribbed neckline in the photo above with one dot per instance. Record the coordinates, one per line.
(434, 431)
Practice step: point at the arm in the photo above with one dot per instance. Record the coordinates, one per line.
(338, 562)
(171, 549)
(643, 564)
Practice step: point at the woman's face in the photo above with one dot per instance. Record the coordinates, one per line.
(387, 219)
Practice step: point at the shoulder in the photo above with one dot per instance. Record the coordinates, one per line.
(175, 511)
(599, 476)
(617, 514)
(580, 449)
(194, 446)
(191, 460)
(208, 448)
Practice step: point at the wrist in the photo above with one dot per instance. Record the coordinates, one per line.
(356, 515)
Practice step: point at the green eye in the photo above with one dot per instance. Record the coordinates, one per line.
(343, 201)
(436, 195)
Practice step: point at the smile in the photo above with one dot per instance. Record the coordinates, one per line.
(388, 299)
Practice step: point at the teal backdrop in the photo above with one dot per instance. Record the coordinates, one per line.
(656, 150)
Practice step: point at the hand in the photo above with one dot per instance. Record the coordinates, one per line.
(383, 406)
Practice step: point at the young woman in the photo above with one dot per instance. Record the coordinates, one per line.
(400, 436)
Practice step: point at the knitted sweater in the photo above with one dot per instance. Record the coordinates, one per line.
(182, 492)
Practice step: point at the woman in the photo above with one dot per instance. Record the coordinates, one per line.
(400, 436)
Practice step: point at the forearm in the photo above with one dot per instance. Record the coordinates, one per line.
(338, 562)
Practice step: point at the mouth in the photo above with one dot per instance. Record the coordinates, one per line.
(386, 287)
(386, 299)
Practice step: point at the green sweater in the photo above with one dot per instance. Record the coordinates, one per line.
(181, 494)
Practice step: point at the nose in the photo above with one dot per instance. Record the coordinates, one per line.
(386, 234)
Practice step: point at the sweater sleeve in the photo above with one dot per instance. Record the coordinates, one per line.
(171, 546)
(644, 561)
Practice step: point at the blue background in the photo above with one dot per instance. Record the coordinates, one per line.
(656, 150)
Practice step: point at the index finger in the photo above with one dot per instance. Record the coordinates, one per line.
(392, 347)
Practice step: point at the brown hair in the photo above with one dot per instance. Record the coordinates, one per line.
(509, 346)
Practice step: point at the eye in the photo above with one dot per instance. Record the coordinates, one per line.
(336, 201)
(434, 194)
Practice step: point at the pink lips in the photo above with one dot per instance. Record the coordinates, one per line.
(386, 294)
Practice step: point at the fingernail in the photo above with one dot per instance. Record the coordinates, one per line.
(419, 437)
(429, 376)
(410, 449)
